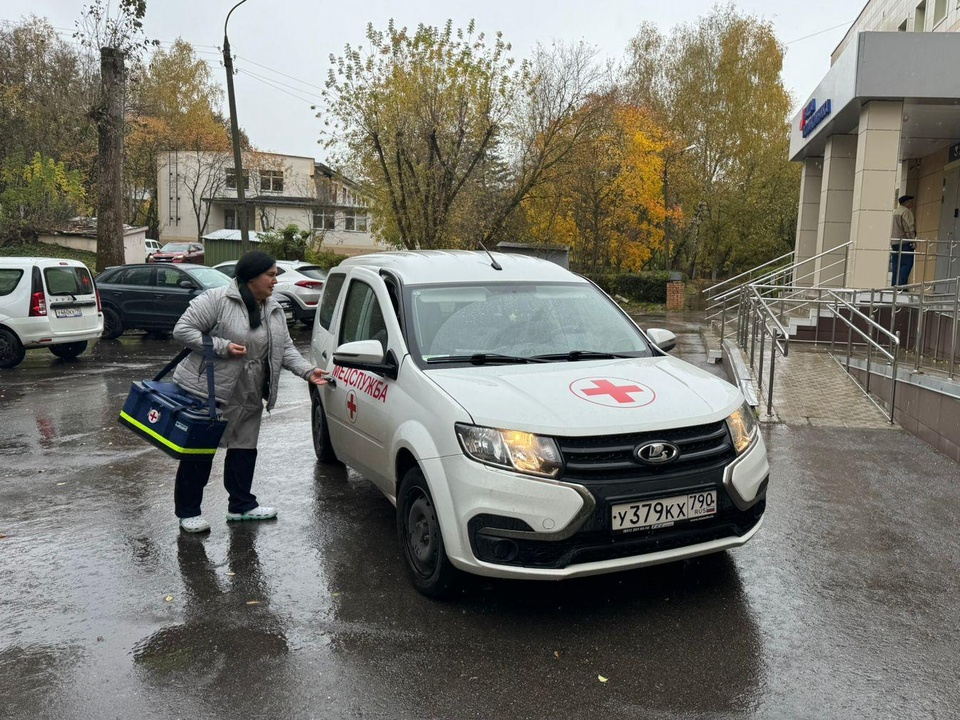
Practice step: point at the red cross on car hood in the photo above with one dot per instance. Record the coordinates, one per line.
(587, 398)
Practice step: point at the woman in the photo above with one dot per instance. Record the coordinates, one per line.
(251, 344)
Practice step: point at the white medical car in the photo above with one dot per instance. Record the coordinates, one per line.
(522, 424)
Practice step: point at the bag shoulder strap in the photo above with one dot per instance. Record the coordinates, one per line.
(208, 355)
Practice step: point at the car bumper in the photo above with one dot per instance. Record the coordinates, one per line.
(41, 336)
(502, 524)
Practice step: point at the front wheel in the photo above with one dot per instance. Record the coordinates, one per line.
(11, 349)
(68, 351)
(321, 433)
(418, 529)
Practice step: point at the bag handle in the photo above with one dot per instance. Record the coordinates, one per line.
(208, 355)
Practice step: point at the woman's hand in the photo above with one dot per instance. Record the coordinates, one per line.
(317, 377)
(234, 350)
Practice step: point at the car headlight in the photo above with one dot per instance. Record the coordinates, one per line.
(743, 427)
(511, 449)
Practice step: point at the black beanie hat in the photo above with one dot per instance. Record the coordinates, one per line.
(253, 263)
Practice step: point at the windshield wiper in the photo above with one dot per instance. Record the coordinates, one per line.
(485, 359)
(575, 355)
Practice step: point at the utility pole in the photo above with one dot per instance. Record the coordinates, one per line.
(235, 134)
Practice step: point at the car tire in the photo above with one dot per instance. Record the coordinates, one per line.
(11, 349)
(68, 351)
(112, 324)
(421, 542)
(320, 431)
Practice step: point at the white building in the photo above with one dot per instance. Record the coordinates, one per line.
(197, 195)
(883, 122)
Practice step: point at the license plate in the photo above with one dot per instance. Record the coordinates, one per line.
(663, 512)
(68, 312)
(289, 315)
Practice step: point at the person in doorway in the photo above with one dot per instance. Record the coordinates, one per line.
(901, 244)
(251, 344)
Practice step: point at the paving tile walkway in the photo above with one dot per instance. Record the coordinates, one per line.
(811, 388)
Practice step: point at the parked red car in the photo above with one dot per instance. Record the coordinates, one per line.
(179, 252)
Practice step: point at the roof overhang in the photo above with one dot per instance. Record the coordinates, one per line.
(914, 68)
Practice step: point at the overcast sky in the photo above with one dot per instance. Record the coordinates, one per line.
(282, 47)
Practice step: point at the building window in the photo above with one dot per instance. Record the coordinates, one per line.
(324, 220)
(230, 219)
(355, 220)
(939, 11)
(232, 179)
(271, 180)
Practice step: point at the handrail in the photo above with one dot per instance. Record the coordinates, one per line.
(747, 272)
(770, 275)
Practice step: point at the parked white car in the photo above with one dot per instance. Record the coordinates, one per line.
(301, 282)
(46, 302)
(150, 247)
(522, 424)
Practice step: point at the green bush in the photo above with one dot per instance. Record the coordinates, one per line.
(643, 287)
(324, 258)
(648, 287)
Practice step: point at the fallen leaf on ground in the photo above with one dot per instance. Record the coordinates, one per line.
(601, 678)
(169, 598)
(253, 602)
(556, 653)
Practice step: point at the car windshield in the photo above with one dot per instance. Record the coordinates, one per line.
(524, 320)
(175, 247)
(210, 278)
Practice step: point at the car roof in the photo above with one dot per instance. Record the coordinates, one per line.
(41, 261)
(425, 267)
(182, 266)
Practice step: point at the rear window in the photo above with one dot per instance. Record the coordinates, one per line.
(9, 277)
(68, 281)
(329, 300)
(315, 273)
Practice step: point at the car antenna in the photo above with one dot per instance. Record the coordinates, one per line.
(493, 262)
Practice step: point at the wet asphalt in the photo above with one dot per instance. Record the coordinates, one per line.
(845, 605)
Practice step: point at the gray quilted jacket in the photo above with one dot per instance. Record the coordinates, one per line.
(220, 313)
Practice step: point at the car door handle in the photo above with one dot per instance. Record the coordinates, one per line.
(324, 354)
(331, 382)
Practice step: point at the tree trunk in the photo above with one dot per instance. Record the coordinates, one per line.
(109, 122)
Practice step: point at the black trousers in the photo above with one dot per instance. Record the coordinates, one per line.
(193, 475)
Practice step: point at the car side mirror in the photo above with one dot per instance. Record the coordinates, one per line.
(367, 355)
(663, 339)
(187, 285)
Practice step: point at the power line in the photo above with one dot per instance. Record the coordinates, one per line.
(819, 32)
(275, 87)
(302, 82)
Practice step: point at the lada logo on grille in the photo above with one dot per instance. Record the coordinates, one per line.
(657, 453)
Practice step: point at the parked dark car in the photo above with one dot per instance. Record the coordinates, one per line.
(179, 252)
(151, 296)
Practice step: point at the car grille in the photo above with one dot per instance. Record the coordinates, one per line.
(603, 458)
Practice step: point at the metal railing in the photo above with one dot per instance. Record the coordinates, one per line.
(764, 309)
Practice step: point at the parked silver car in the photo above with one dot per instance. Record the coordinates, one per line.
(301, 282)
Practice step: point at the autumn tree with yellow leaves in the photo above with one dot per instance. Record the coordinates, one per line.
(716, 85)
(605, 202)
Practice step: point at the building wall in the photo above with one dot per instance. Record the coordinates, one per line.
(893, 15)
(180, 171)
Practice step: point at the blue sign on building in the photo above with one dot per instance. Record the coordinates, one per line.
(813, 116)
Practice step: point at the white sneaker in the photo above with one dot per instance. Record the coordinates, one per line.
(258, 513)
(195, 524)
